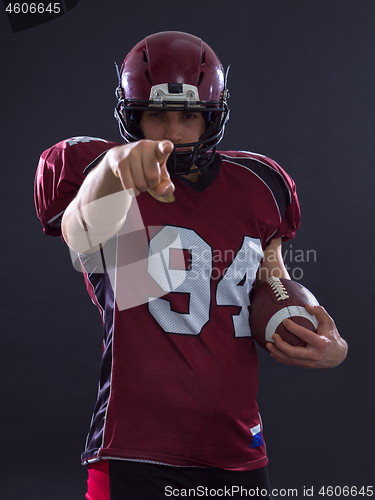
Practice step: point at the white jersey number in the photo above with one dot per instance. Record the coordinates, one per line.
(232, 289)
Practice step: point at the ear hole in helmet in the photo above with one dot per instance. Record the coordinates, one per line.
(133, 118)
(203, 57)
(207, 115)
(145, 56)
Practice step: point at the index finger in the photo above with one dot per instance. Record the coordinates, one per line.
(163, 150)
(165, 186)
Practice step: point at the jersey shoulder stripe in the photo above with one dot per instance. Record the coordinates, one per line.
(269, 172)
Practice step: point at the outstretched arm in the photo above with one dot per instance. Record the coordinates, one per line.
(102, 203)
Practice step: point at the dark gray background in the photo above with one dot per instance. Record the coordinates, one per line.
(302, 92)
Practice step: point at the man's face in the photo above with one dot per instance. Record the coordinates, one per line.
(180, 127)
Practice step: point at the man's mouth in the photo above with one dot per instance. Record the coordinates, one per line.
(182, 149)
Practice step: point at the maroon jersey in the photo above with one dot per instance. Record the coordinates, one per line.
(179, 377)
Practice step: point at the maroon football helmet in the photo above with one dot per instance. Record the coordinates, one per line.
(174, 71)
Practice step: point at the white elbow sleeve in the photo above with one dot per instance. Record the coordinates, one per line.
(96, 222)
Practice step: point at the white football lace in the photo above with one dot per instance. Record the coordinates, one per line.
(278, 288)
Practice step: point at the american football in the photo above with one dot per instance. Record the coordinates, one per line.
(275, 300)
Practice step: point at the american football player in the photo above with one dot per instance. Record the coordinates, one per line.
(172, 235)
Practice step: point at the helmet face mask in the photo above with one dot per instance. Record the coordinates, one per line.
(173, 71)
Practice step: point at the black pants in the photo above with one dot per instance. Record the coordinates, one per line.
(143, 481)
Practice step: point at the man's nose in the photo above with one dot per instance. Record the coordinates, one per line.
(173, 130)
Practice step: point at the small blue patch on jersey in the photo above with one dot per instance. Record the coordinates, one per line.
(257, 441)
(257, 437)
